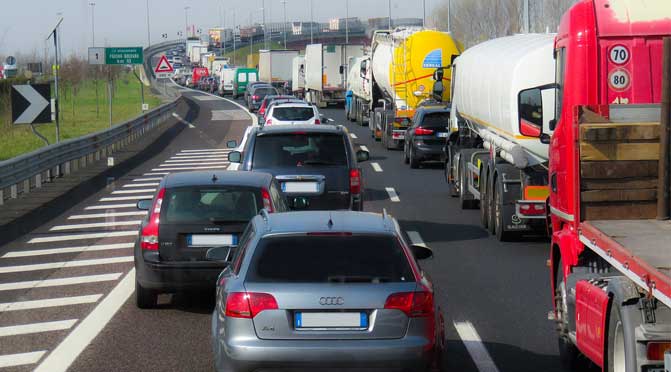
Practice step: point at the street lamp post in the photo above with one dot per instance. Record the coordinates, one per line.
(186, 21)
(312, 23)
(93, 44)
(424, 13)
(347, 22)
(148, 33)
(390, 14)
(265, 26)
(284, 26)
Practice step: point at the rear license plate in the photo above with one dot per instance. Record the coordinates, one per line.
(398, 136)
(330, 320)
(442, 134)
(211, 240)
(300, 187)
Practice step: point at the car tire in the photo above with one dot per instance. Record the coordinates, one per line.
(406, 159)
(414, 162)
(145, 298)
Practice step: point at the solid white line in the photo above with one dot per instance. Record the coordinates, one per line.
(59, 282)
(174, 114)
(65, 264)
(88, 248)
(415, 238)
(60, 359)
(475, 347)
(106, 215)
(193, 168)
(157, 174)
(62, 238)
(94, 225)
(132, 191)
(195, 164)
(191, 160)
(122, 198)
(376, 167)
(21, 359)
(364, 148)
(25, 329)
(110, 206)
(393, 196)
(49, 302)
(148, 179)
(142, 184)
(353, 135)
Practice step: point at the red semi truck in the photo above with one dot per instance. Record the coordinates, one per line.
(610, 256)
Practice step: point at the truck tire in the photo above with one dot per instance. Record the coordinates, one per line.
(447, 171)
(490, 201)
(484, 205)
(621, 344)
(463, 185)
(499, 209)
(569, 355)
(145, 298)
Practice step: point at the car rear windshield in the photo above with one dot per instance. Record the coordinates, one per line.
(334, 259)
(299, 149)
(293, 113)
(206, 205)
(264, 92)
(436, 119)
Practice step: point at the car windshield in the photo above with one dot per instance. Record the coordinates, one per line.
(299, 149)
(293, 113)
(204, 205)
(436, 119)
(329, 259)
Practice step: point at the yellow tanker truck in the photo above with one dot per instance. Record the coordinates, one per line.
(401, 72)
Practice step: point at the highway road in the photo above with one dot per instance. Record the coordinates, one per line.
(66, 288)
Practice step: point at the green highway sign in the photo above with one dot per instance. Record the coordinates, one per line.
(124, 56)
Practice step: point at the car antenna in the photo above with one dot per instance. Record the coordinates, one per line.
(330, 223)
(214, 178)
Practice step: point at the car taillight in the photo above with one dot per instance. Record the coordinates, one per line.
(149, 234)
(248, 304)
(532, 209)
(656, 350)
(355, 181)
(413, 304)
(265, 195)
(269, 121)
(255, 98)
(419, 131)
(317, 121)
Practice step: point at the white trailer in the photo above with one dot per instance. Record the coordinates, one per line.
(275, 67)
(298, 76)
(359, 82)
(226, 79)
(195, 54)
(326, 72)
(489, 163)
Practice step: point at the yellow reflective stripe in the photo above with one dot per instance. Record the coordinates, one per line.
(536, 192)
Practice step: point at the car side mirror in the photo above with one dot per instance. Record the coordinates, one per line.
(218, 254)
(144, 205)
(530, 112)
(235, 156)
(232, 144)
(421, 251)
(362, 155)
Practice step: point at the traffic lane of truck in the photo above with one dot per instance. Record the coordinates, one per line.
(500, 288)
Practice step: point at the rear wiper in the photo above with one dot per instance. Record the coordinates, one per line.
(357, 279)
(319, 162)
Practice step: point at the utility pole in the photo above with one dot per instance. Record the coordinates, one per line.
(186, 21)
(424, 13)
(390, 14)
(449, 15)
(525, 20)
(347, 22)
(312, 23)
(234, 27)
(57, 61)
(265, 26)
(284, 26)
(148, 33)
(93, 44)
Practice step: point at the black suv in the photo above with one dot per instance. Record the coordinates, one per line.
(315, 165)
(424, 140)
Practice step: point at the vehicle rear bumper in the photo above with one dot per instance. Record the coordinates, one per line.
(174, 276)
(428, 152)
(247, 355)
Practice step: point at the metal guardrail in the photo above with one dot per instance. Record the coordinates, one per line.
(22, 174)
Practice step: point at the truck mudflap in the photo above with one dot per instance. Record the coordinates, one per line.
(591, 311)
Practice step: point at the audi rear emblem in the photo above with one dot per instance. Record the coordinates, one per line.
(326, 301)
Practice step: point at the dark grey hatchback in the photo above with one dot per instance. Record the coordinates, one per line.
(316, 165)
(191, 213)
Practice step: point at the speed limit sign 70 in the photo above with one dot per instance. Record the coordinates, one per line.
(619, 54)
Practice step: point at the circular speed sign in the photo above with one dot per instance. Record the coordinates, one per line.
(619, 79)
(619, 55)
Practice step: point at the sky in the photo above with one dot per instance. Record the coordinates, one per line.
(26, 24)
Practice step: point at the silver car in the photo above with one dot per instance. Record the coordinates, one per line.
(324, 290)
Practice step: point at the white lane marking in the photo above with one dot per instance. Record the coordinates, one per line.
(60, 359)
(120, 192)
(376, 167)
(202, 150)
(148, 179)
(49, 302)
(122, 198)
(204, 98)
(393, 196)
(187, 157)
(193, 168)
(190, 160)
(415, 238)
(65, 264)
(471, 339)
(199, 154)
(142, 184)
(353, 136)
(109, 206)
(233, 166)
(63, 238)
(106, 215)
(94, 225)
(87, 248)
(226, 162)
(25, 329)
(157, 174)
(174, 114)
(21, 359)
(60, 282)
(364, 148)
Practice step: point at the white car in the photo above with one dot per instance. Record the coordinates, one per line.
(293, 113)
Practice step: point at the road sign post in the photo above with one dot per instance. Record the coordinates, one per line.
(164, 69)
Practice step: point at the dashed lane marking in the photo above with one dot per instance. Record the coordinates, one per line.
(187, 157)
(393, 196)
(65, 264)
(118, 192)
(157, 174)
(49, 302)
(60, 282)
(109, 206)
(376, 167)
(148, 179)
(201, 150)
(192, 168)
(364, 148)
(122, 198)
(63, 238)
(469, 336)
(204, 98)
(170, 162)
(199, 164)
(95, 225)
(142, 184)
(87, 248)
(106, 215)
(353, 136)
(21, 359)
(25, 329)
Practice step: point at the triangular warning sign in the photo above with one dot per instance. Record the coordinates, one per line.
(164, 66)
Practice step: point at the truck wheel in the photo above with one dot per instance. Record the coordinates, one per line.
(414, 162)
(569, 356)
(490, 203)
(145, 298)
(621, 345)
(484, 206)
(501, 234)
(463, 185)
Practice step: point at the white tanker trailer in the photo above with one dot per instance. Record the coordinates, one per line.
(489, 162)
(360, 87)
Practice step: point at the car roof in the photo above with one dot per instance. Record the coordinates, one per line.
(318, 221)
(433, 108)
(292, 104)
(223, 178)
(312, 128)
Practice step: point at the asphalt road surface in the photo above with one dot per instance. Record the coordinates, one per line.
(66, 288)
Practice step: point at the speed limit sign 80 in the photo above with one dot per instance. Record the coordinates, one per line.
(619, 79)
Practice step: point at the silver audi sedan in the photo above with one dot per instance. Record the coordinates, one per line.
(325, 290)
